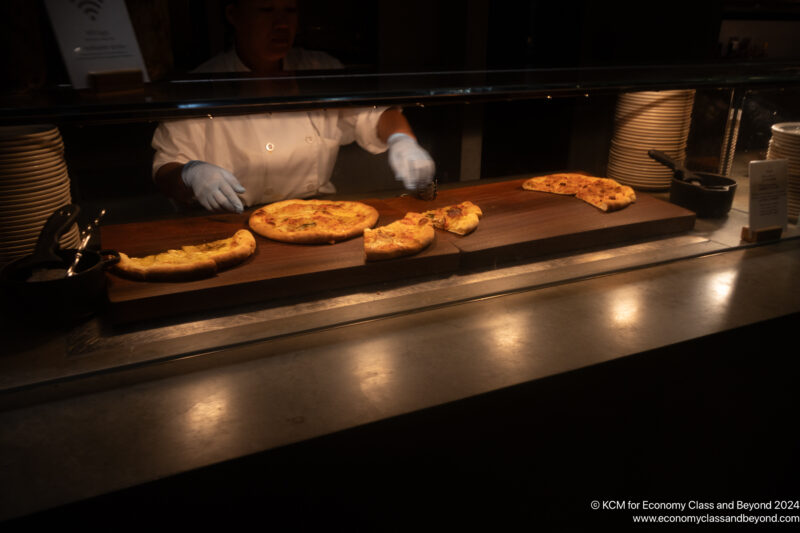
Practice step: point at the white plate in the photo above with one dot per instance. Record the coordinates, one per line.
(623, 144)
(639, 174)
(41, 184)
(787, 128)
(14, 203)
(22, 193)
(642, 164)
(786, 150)
(787, 134)
(23, 232)
(18, 221)
(45, 144)
(650, 134)
(655, 109)
(30, 166)
(646, 171)
(42, 154)
(35, 208)
(646, 96)
(20, 245)
(661, 109)
(646, 114)
(23, 179)
(637, 178)
(651, 118)
(26, 131)
(792, 166)
(642, 176)
(53, 199)
(656, 126)
(640, 155)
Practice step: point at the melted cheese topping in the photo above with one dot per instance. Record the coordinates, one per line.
(187, 254)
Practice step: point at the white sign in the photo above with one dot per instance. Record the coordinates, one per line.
(768, 194)
(94, 36)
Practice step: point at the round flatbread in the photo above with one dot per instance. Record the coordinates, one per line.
(313, 221)
(189, 262)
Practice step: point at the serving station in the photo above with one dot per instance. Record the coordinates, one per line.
(517, 224)
(556, 357)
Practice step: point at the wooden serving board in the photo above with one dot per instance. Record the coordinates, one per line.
(274, 271)
(516, 224)
(520, 224)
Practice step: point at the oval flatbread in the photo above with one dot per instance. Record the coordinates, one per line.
(313, 221)
(189, 262)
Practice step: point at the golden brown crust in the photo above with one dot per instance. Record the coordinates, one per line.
(227, 254)
(607, 195)
(460, 219)
(189, 262)
(313, 221)
(562, 183)
(407, 236)
(604, 193)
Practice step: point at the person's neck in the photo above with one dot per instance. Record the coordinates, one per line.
(259, 66)
(269, 67)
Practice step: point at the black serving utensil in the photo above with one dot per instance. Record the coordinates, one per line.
(425, 192)
(708, 195)
(428, 191)
(679, 171)
(45, 256)
(85, 238)
(682, 173)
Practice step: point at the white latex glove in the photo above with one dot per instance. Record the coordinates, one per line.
(410, 162)
(214, 187)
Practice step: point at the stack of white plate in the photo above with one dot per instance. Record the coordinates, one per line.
(657, 120)
(785, 144)
(33, 183)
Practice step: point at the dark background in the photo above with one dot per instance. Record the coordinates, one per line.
(111, 164)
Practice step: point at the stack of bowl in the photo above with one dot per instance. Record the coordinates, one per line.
(785, 144)
(650, 120)
(33, 183)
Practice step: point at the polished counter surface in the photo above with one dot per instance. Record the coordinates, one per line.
(93, 409)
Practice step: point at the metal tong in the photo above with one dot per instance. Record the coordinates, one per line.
(426, 192)
(86, 236)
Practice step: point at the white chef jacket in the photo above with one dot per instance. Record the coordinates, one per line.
(274, 156)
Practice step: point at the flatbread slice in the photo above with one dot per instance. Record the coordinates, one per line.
(604, 193)
(313, 221)
(460, 219)
(407, 236)
(562, 183)
(189, 262)
(607, 194)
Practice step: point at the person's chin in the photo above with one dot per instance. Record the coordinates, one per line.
(280, 45)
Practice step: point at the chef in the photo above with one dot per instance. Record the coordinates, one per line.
(228, 163)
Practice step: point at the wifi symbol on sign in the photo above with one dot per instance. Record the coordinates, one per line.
(90, 8)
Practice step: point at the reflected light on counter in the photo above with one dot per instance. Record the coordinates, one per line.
(720, 286)
(508, 337)
(207, 412)
(375, 365)
(624, 307)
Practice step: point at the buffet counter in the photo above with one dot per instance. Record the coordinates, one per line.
(95, 408)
